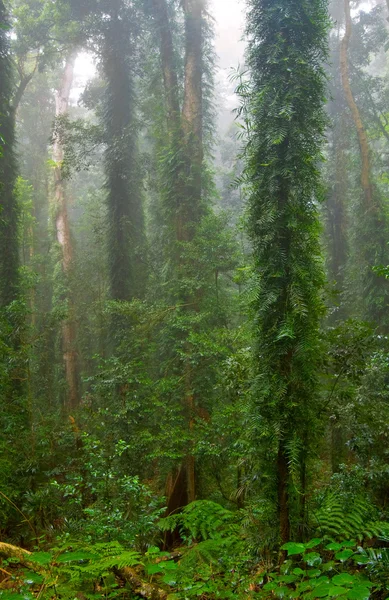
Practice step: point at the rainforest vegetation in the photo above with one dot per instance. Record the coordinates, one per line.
(194, 299)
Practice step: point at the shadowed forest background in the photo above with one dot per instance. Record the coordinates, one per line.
(194, 300)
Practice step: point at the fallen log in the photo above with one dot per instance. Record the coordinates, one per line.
(10, 551)
(140, 587)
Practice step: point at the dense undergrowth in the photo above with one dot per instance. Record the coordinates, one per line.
(213, 560)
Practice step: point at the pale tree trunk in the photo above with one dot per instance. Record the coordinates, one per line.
(192, 127)
(192, 111)
(362, 136)
(64, 240)
(168, 65)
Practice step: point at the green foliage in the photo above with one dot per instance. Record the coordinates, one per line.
(348, 517)
(67, 572)
(213, 562)
(202, 520)
(320, 570)
(81, 141)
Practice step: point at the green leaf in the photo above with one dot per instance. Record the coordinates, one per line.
(270, 587)
(336, 590)
(170, 565)
(334, 546)
(40, 558)
(76, 556)
(169, 579)
(155, 550)
(153, 569)
(293, 548)
(313, 543)
(32, 578)
(314, 573)
(313, 559)
(359, 593)
(344, 555)
(322, 590)
(282, 592)
(344, 579)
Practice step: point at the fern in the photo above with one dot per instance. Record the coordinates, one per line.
(81, 568)
(202, 520)
(377, 564)
(338, 520)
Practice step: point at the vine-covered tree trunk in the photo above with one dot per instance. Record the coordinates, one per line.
(9, 243)
(64, 239)
(127, 265)
(287, 48)
(169, 70)
(184, 198)
(362, 135)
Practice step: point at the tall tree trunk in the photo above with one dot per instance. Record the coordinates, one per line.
(185, 130)
(192, 128)
(192, 115)
(283, 493)
(123, 181)
(283, 225)
(169, 71)
(336, 210)
(9, 242)
(62, 227)
(362, 136)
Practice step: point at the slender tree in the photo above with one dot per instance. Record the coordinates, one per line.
(370, 243)
(337, 179)
(184, 206)
(366, 182)
(64, 239)
(286, 122)
(9, 246)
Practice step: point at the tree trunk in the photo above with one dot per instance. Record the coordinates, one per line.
(192, 115)
(337, 214)
(9, 213)
(69, 331)
(283, 493)
(362, 136)
(123, 178)
(168, 65)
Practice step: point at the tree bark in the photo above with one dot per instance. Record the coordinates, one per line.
(362, 136)
(62, 226)
(168, 64)
(192, 112)
(283, 493)
(126, 240)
